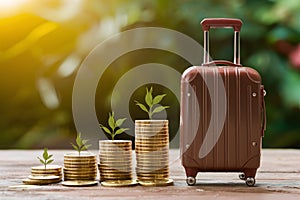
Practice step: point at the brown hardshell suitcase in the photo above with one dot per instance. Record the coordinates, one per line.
(222, 114)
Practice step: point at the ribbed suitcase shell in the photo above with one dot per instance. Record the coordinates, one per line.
(238, 147)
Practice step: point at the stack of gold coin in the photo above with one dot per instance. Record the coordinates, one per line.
(80, 168)
(115, 165)
(43, 176)
(152, 152)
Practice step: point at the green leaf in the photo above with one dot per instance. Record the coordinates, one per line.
(158, 98)
(50, 156)
(119, 122)
(111, 121)
(87, 146)
(148, 97)
(84, 142)
(141, 106)
(159, 109)
(45, 154)
(49, 161)
(78, 139)
(75, 147)
(41, 160)
(121, 130)
(105, 129)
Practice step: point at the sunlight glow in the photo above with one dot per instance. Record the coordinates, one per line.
(11, 4)
(11, 7)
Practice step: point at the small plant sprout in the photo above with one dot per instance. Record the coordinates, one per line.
(152, 103)
(46, 158)
(81, 144)
(114, 126)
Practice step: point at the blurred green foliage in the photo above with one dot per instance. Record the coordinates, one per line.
(43, 43)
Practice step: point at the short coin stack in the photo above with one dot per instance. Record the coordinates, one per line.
(152, 152)
(80, 170)
(43, 176)
(115, 165)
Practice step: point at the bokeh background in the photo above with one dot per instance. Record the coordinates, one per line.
(43, 43)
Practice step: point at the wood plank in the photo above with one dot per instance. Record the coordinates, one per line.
(277, 178)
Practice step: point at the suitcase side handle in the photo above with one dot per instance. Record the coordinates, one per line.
(236, 24)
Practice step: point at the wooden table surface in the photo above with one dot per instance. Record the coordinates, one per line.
(277, 178)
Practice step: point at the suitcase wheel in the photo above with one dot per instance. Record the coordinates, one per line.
(242, 176)
(191, 180)
(250, 181)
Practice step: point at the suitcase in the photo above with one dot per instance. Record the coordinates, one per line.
(222, 113)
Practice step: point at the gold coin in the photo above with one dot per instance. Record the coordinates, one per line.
(80, 172)
(93, 168)
(151, 141)
(151, 138)
(152, 132)
(82, 160)
(115, 169)
(29, 181)
(156, 183)
(46, 174)
(115, 156)
(119, 183)
(46, 171)
(43, 177)
(115, 163)
(82, 155)
(151, 121)
(67, 177)
(159, 149)
(152, 168)
(48, 168)
(79, 183)
(79, 178)
(105, 177)
(80, 164)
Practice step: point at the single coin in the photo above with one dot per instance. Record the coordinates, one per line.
(80, 164)
(75, 169)
(79, 183)
(80, 174)
(82, 160)
(147, 121)
(79, 179)
(48, 167)
(82, 155)
(43, 177)
(156, 183)
(45, 174)
(119, 183)
(153, 170)
(152, 176)
(29, 181)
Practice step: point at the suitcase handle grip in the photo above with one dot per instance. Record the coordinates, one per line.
(222, 23)
(208, 23)
(221, 62)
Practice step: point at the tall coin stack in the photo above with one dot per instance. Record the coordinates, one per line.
(80, 170)
(115, 165)
(152, 152)
(43, 176)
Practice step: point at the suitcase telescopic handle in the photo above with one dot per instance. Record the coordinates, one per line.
(209, 23)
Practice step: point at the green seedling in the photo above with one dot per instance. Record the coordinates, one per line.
(81, 144)
(152, 103)
(46, 158)
(114, 126)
